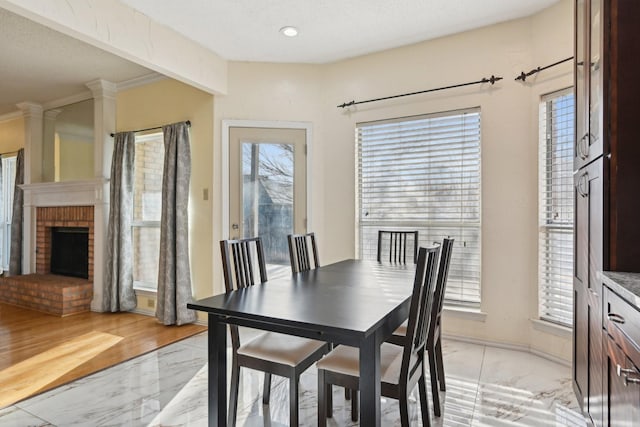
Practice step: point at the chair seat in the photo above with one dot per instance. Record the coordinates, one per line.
(346, 360)
(401, 330)
(279, 348)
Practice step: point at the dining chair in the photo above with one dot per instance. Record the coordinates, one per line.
(288, 356)
(401, 367)
(434, 339)
(301, 261)
(299, 254)
(395, 244)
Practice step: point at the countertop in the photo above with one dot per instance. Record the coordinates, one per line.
(627, 285)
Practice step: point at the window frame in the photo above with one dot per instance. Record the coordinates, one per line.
(466, 296)
(555, 193)
(6, 213)
(140, 285)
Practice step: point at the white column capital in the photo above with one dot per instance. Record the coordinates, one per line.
(102, 88)
(51, 114)
(30, 109)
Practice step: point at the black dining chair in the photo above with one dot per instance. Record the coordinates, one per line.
(272, 353)
(302, 259)
(394, 244)
(401, 367)
(434, 339)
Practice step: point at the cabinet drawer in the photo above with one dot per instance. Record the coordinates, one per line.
(622, 322)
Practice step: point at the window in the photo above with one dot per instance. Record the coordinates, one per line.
(6, 210)
(555, 255)
(423, 173)
(147, 205)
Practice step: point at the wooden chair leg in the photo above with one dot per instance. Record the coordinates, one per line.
(293, 401)
(440, 365)
(322, 399)
(354, 405)
(266, 390)
(347, 394)
(233, 393)
(424, 401)
(433, 373)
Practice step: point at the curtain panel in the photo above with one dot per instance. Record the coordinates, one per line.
(15, 254)
(118, 288)
(174, 275)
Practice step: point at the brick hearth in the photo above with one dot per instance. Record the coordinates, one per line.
(50, 293)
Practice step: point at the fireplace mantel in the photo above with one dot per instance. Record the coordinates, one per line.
(92, 192)
(66, 193)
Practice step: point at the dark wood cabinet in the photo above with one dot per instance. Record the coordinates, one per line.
(607, 182)
(588, 232)
(621, 336)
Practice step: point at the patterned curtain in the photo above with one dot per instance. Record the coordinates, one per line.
(15, 254)
(174, 275)
(118, 288)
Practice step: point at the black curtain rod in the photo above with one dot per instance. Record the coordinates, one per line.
(491, 80)
(523, 76)
(188, 122)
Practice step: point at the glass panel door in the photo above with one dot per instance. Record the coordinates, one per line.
(267, 189)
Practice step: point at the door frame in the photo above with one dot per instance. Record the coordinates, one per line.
(269, 124)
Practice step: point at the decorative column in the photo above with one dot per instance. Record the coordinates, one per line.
(104, 123)
(32, 114)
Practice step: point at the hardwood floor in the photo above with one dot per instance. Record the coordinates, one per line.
(72, 346)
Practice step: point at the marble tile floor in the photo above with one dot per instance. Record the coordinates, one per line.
(487, 386)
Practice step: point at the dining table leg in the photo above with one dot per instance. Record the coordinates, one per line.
(217, 350)
(370, 381)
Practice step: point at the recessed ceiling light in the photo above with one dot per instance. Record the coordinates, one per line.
(289, 31)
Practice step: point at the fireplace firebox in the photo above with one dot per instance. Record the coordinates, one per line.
(70, 251)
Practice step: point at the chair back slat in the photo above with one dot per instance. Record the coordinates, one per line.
(398, 242)
(299, 253)
(239, 259)
(420, 309)
(441, 284)
(238, 270)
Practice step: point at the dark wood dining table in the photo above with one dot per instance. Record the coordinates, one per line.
(353, 302)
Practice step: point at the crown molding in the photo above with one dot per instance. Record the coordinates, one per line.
(140, 81)
(11, 116)
(67, 100)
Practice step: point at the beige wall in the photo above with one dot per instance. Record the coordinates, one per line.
(75, 159)
(165, 102)
(11, 135)
(509, 147)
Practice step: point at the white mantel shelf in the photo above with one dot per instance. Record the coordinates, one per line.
(66, 193)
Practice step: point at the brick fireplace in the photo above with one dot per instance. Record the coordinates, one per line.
(61, 216)
(60, 205)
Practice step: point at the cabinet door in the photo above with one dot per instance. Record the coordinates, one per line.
(622, 396)
(581, 76)
(588, 81)
(593, 144)
(588, 351)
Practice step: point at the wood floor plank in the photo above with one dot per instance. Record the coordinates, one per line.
(29, 376)
(25, 334)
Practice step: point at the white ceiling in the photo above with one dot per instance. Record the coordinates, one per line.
(330, 30)
(41, 65)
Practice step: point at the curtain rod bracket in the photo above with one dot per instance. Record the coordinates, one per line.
(523, 76)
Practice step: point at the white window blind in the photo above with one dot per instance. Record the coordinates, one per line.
(555, 255)
(423, 173)
(8, 177)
